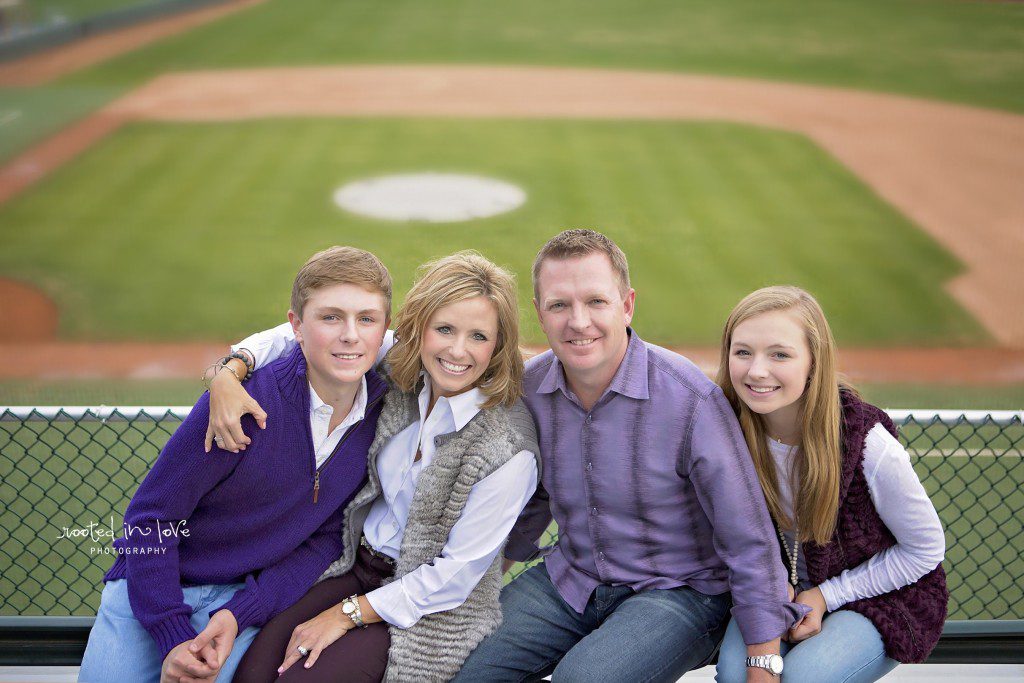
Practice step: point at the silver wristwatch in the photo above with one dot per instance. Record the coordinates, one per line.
(770, 663)
(350, 608)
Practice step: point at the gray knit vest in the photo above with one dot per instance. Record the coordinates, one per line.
(435, 647)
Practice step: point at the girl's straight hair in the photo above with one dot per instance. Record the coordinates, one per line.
(818, 465)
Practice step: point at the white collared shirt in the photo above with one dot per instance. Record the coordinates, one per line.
(491, 509)
(320, 420)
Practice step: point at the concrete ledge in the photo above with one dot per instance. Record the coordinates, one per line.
(907, 673)
(60, 641)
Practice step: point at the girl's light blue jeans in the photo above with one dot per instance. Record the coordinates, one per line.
(120, 649)
(847, 650)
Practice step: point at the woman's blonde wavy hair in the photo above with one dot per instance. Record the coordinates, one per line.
(818, 464)
(458, 277)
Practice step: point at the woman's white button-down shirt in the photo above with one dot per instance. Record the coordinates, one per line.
(493, 505)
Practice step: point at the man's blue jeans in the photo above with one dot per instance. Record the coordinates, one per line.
(120, 650)
(848, 650)
(622, 636)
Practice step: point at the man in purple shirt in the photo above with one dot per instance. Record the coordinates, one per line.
(659, 510)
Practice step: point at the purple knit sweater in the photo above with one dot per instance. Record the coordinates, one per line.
(909, 619)
(249, 517)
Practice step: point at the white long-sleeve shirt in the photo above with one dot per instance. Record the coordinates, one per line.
(320, 415)
(492, 507)
(904, 507)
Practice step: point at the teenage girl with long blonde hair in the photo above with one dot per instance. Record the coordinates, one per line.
(861, 541)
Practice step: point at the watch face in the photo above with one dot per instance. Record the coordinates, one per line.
(775, 664)
(348, 607)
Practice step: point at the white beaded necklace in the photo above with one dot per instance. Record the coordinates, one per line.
(793, 578)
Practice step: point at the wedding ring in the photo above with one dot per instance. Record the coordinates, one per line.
(302, 651)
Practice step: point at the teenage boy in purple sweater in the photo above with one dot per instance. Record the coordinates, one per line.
(215, 547)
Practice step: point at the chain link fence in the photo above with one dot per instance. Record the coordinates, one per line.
(68, 473)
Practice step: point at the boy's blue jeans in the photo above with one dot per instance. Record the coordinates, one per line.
(120, 649)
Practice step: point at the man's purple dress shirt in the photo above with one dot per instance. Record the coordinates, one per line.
(652, 488)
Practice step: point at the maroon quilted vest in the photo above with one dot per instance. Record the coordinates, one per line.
(909, 619)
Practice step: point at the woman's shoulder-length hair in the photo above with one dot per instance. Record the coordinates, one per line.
(458, 277)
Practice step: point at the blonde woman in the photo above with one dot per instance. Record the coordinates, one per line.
(862, 542)
(453, 463)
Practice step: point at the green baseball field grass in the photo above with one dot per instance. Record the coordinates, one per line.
(170, 232)
(31, 114)
(967, 52)
(970, 52)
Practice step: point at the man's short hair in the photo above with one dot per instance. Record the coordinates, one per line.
(341, 266)
(581, 242)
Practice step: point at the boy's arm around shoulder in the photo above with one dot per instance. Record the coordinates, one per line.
(230, 402)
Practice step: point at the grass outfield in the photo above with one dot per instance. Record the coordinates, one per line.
(63, 475)
(970, 52)
(944, 397)
(184, 231)
(31, 114)
(962, 51)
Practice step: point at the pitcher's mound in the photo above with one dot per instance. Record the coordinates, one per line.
(429, 197)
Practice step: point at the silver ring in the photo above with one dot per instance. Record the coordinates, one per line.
(218, 439)
(302, 651)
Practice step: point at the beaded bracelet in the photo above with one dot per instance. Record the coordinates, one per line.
(249, 366)
(248, 358)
